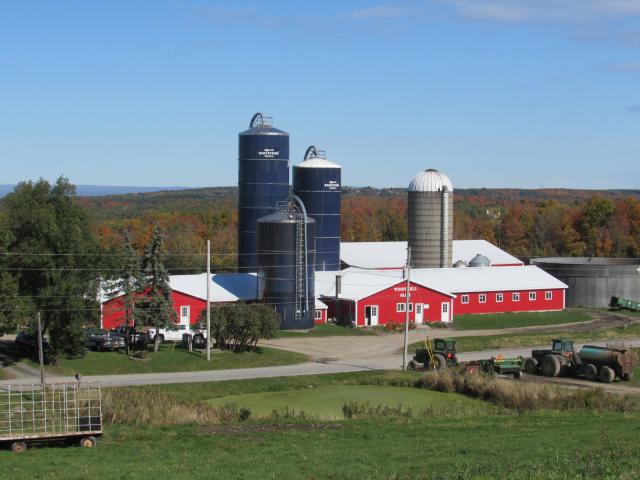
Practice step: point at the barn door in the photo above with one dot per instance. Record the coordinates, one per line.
(418, 318)
(445, 312)
(185, 315)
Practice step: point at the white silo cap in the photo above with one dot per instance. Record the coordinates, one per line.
(430, 180)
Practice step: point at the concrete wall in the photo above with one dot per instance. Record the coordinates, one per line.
(593, 281)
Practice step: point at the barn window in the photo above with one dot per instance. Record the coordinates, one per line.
(548, 295)
(499, 297)
(464, 299)
(318, 314)
(400, 307)
(482, 298)
(532, 296)
(515, 297)
(411, 307)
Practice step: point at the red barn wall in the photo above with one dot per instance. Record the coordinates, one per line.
(113, 310)
(507, 304)
(387, 301)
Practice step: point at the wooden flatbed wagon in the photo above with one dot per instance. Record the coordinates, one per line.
(57, 412)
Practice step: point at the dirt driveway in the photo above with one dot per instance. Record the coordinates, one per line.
(386, 345)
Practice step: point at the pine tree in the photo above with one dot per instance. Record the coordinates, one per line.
(159, 310)
(128, 284)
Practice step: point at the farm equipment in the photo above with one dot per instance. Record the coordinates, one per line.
(61, 412)
(591, 362)
(624, 304)
(441, 354)
(496, 366)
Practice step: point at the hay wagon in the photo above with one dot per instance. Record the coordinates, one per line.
(55, 412)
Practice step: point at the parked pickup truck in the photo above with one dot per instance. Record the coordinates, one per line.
(175, 335)
(103, 340)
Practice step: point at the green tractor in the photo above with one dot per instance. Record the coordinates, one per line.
(441, 354)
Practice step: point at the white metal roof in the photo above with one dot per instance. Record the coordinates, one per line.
(486, 279)
(225, 287)
(317, 162)
(394, 254)
(430, 180)
(358, 283)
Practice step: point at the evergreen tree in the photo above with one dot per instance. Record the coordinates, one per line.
(53, 251)
(128, 283)
(158, 311)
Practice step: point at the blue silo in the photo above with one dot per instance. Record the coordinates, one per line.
(316, 181)
(286, 261)
(263, 181)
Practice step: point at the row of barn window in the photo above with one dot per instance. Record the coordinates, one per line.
(515, 297)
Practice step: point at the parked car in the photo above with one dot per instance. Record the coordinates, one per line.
(175, 335)
(27, 343)
(103, 340)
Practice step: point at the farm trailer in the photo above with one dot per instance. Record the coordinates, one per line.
(623, 303)
(60, 412)
(591, 362)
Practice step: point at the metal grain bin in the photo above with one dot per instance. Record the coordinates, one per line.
(316, 181)
(593, 281)
(286, 272)
(430, 215)
(263, 181)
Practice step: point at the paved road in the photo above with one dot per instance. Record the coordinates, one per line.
(387, 362)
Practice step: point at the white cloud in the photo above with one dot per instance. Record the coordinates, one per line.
(543, 10)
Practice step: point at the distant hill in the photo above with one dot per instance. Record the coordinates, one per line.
(101, 190)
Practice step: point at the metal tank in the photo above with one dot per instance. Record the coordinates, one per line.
(593, 281)
(286, 264)
(480, 261)
(430, 215)
(316, 181)
(263, 181)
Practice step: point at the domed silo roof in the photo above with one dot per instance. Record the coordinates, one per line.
(460, 264)
(430, 180)
(480, 261)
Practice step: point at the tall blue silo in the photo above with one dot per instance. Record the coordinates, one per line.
(263, 181)
(286, 264)
(316, 181)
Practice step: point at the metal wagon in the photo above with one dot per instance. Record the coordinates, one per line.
(63, 412)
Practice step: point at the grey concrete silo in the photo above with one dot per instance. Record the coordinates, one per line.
(430, 215)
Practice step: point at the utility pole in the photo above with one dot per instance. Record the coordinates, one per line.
(406, 314)
(208, 342)
(40, 354)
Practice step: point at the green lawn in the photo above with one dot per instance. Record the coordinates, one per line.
(4, 375)
(172, 359)
(473, 344)
(326, 402)
(523, 319)
(327, 330)
(529, 446)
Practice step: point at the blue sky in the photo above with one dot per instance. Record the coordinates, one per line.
(496, 93)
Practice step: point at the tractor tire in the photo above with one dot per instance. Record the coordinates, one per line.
(439, 362)
(531, 366)
(88, 442)
(591, 372)
(198, 341)
(627, 376)
(550, 366)
(18, 447)
(606, 375)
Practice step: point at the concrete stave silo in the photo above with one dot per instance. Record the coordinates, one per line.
(316, 181)
(430, 219)
(263, 181)
(286, 264)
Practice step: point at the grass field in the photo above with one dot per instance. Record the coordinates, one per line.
(479, 343)
(327, 330)
(4, 375)
(522, 319)
(532, 445)
(483, 441)
(326, 402)
(171, 359)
